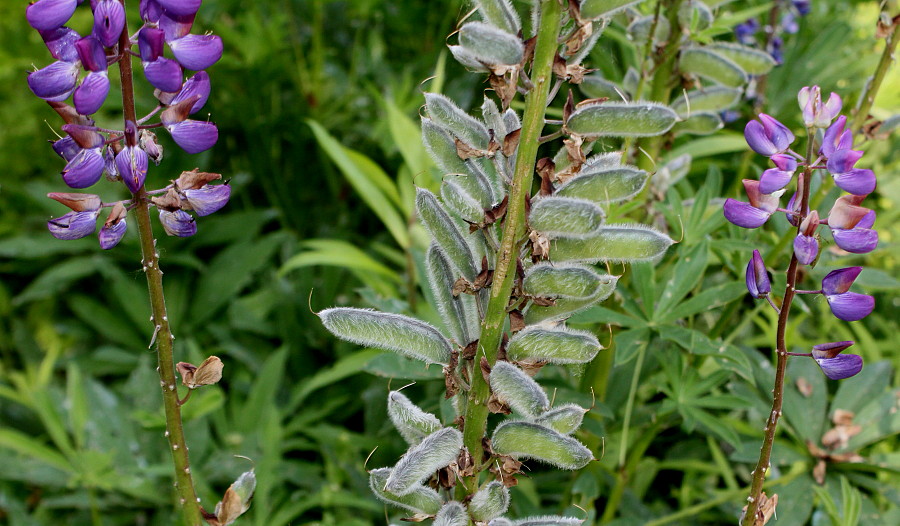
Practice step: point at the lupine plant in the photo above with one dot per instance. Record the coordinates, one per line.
(507, 267)
(852, 230)
(123, 153)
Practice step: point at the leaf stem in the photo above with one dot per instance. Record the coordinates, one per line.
(868, 96)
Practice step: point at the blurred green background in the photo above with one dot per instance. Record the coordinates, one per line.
(81, 430)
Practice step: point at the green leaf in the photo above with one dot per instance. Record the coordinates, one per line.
(58, 278)
(722, 142)
(76, 396)
(106, 322)
(406, 135)
(337, 253)
(709, 64)
(620, 119)
(628, 343)
(527, 440)
(617, 243)
(688, 271)
(708, 299)
(28, 446)
(343, 368)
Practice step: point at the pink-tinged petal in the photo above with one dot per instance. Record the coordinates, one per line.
(109, 21)
(810, 223)
(858, 181)
(151, 42)
(132, 163)
(66, 148)
(198, 85)
(111, 234)
(839, 281)
(805, 94)
(61, 43)
(841, 367)
(197, 52)
(744, 214)
(830, 349)
(208, 199)
(164, 74)
(54, 82)
(44, 15)
(178, 223)
(845, 214)
(756, 138)
(809, 98)
(851, 306)
(868, 220)
(794, 206)
(856, 240)
(77, 202)
(194, 136)
(806, 248)
(85, 136)
(784, 162)
(84, 170)
(175, 26)
(92, 92)
(765, 202)
(150, 11)
(757, 278)
(832, 107)
(842, 160)
(778, 133)
(73, 225)
(91, 54)
(774, 179)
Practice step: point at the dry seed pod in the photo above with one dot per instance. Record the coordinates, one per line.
(518, 390)
(209, 372)
(489, 502)
(452, 514)
(444, 232)
(619, 243)
(528, 440)
(553, 344)
(236, 499)
(421, 500)
(621, 119)
(413, 423)
(558, 217)
(436, 451)
(604, 185)
(709, 64)
(565, 419)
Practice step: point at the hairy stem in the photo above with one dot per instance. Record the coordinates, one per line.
(868, 97)
(184, 484)
(513, 229)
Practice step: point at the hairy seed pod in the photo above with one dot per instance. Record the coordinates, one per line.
(711, 65)
(489, 502)
(500, 13)
(500, 521)
(559, 217)
(604, 185)
(440, 281)
(445, 233)
(605, 8)
(413, 423)
(695, 15)
(420, 462)
(596, 87)
(619, 243)
(528, 440)
(394, 332)
(452, 514)
(493, 119)
(553, 344)
(491, 45)
(565, 419)
(621, 119)
(639, 30)
(549, 520)
(446, 114)
(572, 287)
(712, 98)
(699, 123)
(518, 390)
(461, 202)
(753, 61)
(421, 499)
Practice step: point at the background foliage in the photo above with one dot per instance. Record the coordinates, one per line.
(677, 407)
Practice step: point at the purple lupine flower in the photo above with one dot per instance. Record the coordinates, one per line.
(175, 26)
(802, 6)
(109, 21)
(162, 73)
(745, 31)
(91, 93)
(196, 86)
(836, 138)
(835, 365)
(208, 198)
(177, 223)
(197, 52)
(81, 221)
(846, 305)
(789, 23)
(775, 50)
(150, 11)
(857, 181)
(757, 277)
(85, 168)
(806, 246)
(66, 148)
(191, 135)
(61, 43)
(794, 206)
(818, 114)
(45, 15)
(54, 82)
(851, 225)
(755, 213)
(180, 7)
(114, 228)
(132, 162)
(767, 136)
(775, 179)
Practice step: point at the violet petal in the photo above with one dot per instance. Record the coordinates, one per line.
(180, 7)
(111, 235)
(744, 214)
(91, 54)
(164, 74)
(151, 42)
(90, 95)
(856, 240)
(175, 26)
(208, 199)
(842, 160)
(774, 179)
(832, 136)
(858, 181)
(841, 366)
(194, 136)
(778, 133)
(74, 225)
(830, 349)
(756, 277)
(784, 162)
(150, 11)
(839, 281)
(178, 223)
(198, 85)
(756, 138)
(132, 163)
(54, 82)
(109, 21)
(197, 52)
(851, 306)
(45, 15)
(61, 43)
(806, 248)
(66, 148)
(85, 169)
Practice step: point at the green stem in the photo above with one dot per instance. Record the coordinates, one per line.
(626, 471)
(868, 96)
(513, 228)
(184, 484)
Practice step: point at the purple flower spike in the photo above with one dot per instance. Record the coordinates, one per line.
(85, 169)
(180, 7)
(178, 223)
(768, 136)
(45, 15)
(851, 306)
(839, 281)
(150, 43)
(194, 136)
(836, 138)
(132, 163)
(61, 43)
(164, 74)
(91, 54)
(757, 277)
(197, 52)
(74, 225)
(198, 85)
(208, 199)
(816, 113)
(54, 82)
(841, 366)
(92, 92)
(109, 20)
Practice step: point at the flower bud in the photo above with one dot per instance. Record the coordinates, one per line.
(178, 223)
(836, 138)
(196, 88)
(109, 21)
(817, 114)
(845, 305)
(45, 15)
(180, 7)
(236, 500)
(114, 228)
(757, 277)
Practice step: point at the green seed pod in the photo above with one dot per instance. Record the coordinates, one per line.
(565, 419)
(709, 64)
(596, 87)
(420, 462)
(518, 390)
(446, 114)
(621, 119)
(606, 8)
(639, 30)
(511, 120)
(460, 201)
(620, 243)
(493, 119)
(421, 500)
(712, 98)
(699, 123)
(445, 234)
(394, 332)
(573, 287)
(695, 15)
(440, 281)
(501, 14)
(442, 148)
(549, 520)
(553, 344)
(753, 61)
(602, 161)
(452, 514)
(412, 423)
(491, 45)
(559, 217)
(489, 502)
(468, 59)
(604, 185)
(528, 440)
(500, 521)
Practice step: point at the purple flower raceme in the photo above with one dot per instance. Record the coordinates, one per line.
(767, 136)
(851, 225)
(846, 305)
(835, 365)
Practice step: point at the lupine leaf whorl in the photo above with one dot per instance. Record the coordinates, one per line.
(559, 217)
(515, 388)
(420, 462)
(452, 514)
(605, 8)
(565, 419)
(620, 243)
(621, 119)
(444, 232)
(413, 423)
(500, 13)
(710, 98)
(394, 332)
(709, 64)
(421, 499)
(489, 502)
(441, 280)
(604, 185)
(753, 61)
(528, 440)
(446, 114)
(553, 344)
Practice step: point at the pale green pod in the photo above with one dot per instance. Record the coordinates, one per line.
(511, 120)
(382, 330)
(597, 27)
(619, 243)
(468, 59)
(709, 64)
(712, 98)
(553, 345)
(559, 217)
(565, 419)
(440, 281)
(500, 13)
(422, 500)
(602, 161)
(753, 61)
(596, 87)
(695, 15)
(493, 119)
(500, 521)
(562, 281)
(420, 462)
(412, 423)
(491, 44)
(441, 148)
(446, 114)
(549, 520)
(518, 390)
(461, 202)
(562, 308)
(476, 186)
(621, 119)
(604, 185)
(489, 502)
(699, 123)
(527, 440)
(605, 8)
(639, 30)
(452, 514)
(444, 232)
